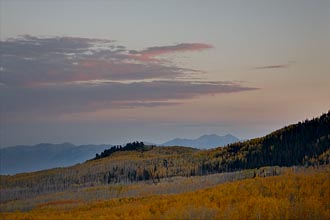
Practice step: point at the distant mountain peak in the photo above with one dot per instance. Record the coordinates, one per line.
(203, 142)
(229, 135)
(209, 135)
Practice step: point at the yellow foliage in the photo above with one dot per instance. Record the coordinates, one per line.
(290, 196)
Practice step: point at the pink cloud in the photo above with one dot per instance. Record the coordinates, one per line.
(151, 52)
(112, 70)
(47, 61)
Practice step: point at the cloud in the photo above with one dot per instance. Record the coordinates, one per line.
(148, 104)
(59, 75)
(279, 66)
(58, 99)
(151, 52)
(29, 61)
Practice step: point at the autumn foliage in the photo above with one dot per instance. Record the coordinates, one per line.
(289, 196)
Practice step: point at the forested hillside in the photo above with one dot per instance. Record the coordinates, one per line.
(120, 167)
(305, 143)
(135, 146)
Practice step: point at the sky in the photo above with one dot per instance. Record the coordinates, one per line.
(118, 71)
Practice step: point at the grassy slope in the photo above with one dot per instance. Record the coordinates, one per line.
(303, 195)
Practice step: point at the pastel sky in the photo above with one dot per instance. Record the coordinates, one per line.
(118, 71)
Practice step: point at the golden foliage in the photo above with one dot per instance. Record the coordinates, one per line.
(290, 196)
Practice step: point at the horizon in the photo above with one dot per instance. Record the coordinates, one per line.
(108, 72)
(144, 141)
(155, 143)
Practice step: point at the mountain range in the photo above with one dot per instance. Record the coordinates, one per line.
(203, 142)
(24, 158)
(298, 144)
(21, 158)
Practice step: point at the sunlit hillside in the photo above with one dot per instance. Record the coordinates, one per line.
(292, 195)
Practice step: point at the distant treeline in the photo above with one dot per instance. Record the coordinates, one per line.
(134, 146)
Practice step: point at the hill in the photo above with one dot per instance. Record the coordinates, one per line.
(305, 143)
(203, 142)
(18, 159)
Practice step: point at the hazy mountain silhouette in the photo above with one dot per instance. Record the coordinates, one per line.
(203, 142)
(18, 159)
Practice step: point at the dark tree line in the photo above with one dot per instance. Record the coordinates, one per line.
(134, 146)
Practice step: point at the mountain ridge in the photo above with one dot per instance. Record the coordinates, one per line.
(29, 158)
(205, 141)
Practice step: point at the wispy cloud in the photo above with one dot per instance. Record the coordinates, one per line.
(150, 53)
(278, 66)
(56, 99)
(58, 75)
